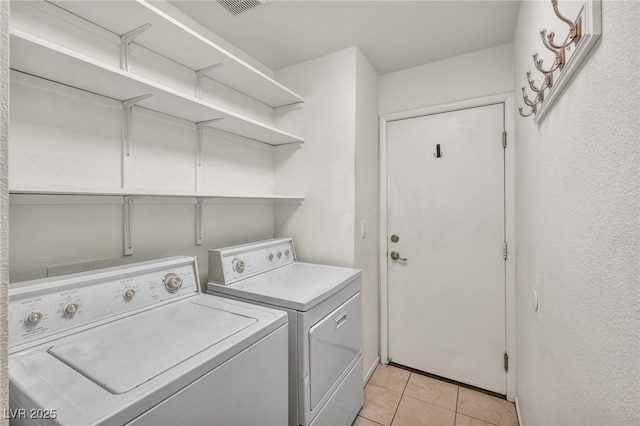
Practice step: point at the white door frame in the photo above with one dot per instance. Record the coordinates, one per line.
(509, 161)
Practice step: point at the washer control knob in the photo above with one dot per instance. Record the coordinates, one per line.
(270, 257)
(279, 254)
(71, 309)
(238, 265)
(128, 294)
(33, 318)
(286, 253)
(172, 283)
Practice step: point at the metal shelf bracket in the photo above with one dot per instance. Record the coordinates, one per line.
(200, 126)
(128, 225)
(199, 214)
(125, 45)
(200, 74)
(290, 107)
(126, 120)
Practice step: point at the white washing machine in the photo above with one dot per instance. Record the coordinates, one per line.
(325, 323)
(138, 345)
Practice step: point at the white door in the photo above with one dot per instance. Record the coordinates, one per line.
(447, 299)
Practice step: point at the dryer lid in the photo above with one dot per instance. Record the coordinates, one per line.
(299, 286)
(124, 354)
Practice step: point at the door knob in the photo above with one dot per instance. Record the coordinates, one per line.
(396, 256)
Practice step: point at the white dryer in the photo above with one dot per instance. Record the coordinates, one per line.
(138, 345)
(324, 306)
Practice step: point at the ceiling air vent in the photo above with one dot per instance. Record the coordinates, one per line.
(238, 6)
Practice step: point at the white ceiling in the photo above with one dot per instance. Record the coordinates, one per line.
(392, 34)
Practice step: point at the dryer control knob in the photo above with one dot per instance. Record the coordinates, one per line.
(238, 265)
(172, 283)
(71, 309)
(128, 294)
(33, 318)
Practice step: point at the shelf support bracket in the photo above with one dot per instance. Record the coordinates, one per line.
(200, 126)
(200, 74)
(199, 214)
(128, 225)
(125, 46)
(126, 120)
(289, 107)
(200, 130)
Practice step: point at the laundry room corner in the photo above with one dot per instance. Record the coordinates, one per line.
(336, 170)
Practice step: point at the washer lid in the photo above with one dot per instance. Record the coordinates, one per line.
(299, 285)
(124, 354)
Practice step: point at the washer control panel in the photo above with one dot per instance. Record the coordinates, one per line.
(231, 264)
(53, 305)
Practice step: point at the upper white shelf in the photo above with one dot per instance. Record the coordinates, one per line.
(176, 41)
(35, 56)
(72, 190)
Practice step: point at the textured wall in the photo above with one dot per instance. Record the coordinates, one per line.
(578, 232)
(4, 203)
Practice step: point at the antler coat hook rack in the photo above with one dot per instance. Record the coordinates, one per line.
(583, 33)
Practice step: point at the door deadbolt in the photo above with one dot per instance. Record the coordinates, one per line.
(396, 256)
(395, 238)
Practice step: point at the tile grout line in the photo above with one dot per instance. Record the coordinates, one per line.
(401, 395)
(455, 416)
(406, 384)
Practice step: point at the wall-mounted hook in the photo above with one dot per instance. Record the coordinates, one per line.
(584, 31)
(533, 105)
(548, 82)
(559, 53)
(551, 36)
(526, 100)
(538, 64)
(574, 28)
(539, 91)
(533, 111)
(438, 153)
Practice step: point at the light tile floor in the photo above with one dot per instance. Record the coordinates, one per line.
(397, 397)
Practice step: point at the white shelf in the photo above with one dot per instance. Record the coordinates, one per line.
(176, 41)
(38, 57)
(72, 190)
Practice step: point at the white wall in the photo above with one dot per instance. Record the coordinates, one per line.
(323, 168)
(483, 73)
(578, 232)
(336, 169)
(367, 205)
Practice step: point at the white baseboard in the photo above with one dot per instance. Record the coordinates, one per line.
(518, 412)
(371, 370)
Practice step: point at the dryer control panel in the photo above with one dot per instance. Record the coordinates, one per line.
(231, 264)
(40, 308)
